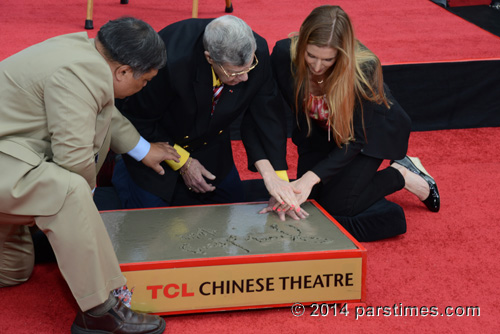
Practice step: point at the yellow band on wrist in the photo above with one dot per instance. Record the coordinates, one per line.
(282, 174)
(182, 160)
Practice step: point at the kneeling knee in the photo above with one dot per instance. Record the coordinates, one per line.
(16, 275)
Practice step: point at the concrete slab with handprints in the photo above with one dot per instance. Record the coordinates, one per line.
(218, 231)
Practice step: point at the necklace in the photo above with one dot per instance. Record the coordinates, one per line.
(316, 78)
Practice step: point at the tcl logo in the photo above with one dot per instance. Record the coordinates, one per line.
(170, 290)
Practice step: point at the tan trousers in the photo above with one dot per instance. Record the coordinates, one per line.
(81, 244)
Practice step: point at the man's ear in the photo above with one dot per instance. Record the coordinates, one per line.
(122, 72)
(209, 59)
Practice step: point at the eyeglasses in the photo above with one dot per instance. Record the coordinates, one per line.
(233, 75)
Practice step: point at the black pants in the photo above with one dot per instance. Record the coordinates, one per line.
(355, 197)
(230, 190)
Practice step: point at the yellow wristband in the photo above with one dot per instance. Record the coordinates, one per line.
(282, 174)
(182, 160)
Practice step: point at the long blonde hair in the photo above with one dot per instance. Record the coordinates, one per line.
(355, 76)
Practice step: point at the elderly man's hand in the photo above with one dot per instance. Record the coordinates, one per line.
(194, 175)
(158, 153)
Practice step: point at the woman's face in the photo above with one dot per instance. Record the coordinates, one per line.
(320, 59)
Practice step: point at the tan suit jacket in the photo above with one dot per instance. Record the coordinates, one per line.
(57, 116)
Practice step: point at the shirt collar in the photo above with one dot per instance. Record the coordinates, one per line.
(215, 80)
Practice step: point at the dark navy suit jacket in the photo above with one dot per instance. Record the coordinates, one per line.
(176, 106)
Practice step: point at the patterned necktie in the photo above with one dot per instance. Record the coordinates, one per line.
(215, 99)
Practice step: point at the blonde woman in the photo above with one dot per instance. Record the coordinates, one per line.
(347, 123)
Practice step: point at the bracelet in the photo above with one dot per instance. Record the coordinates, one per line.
(187, 167)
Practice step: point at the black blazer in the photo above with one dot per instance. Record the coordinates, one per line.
(387, 130)
(176, 105)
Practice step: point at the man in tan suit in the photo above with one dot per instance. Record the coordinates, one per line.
(57, 123)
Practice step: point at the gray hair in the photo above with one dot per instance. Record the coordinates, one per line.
(229, 40)
(133, 42)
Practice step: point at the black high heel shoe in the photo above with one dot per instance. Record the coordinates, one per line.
(433, 201)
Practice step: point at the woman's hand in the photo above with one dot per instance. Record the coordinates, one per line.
(296, 214)
(304, 186)
(281, 190)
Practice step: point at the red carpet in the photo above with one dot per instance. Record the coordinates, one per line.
(398, 31)
(445, 259)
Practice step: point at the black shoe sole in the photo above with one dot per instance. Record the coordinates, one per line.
(78, 330)
(433, 201)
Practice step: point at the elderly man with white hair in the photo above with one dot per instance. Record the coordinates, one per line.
(217, 71)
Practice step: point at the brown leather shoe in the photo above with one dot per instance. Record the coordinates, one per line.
(118, 320)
